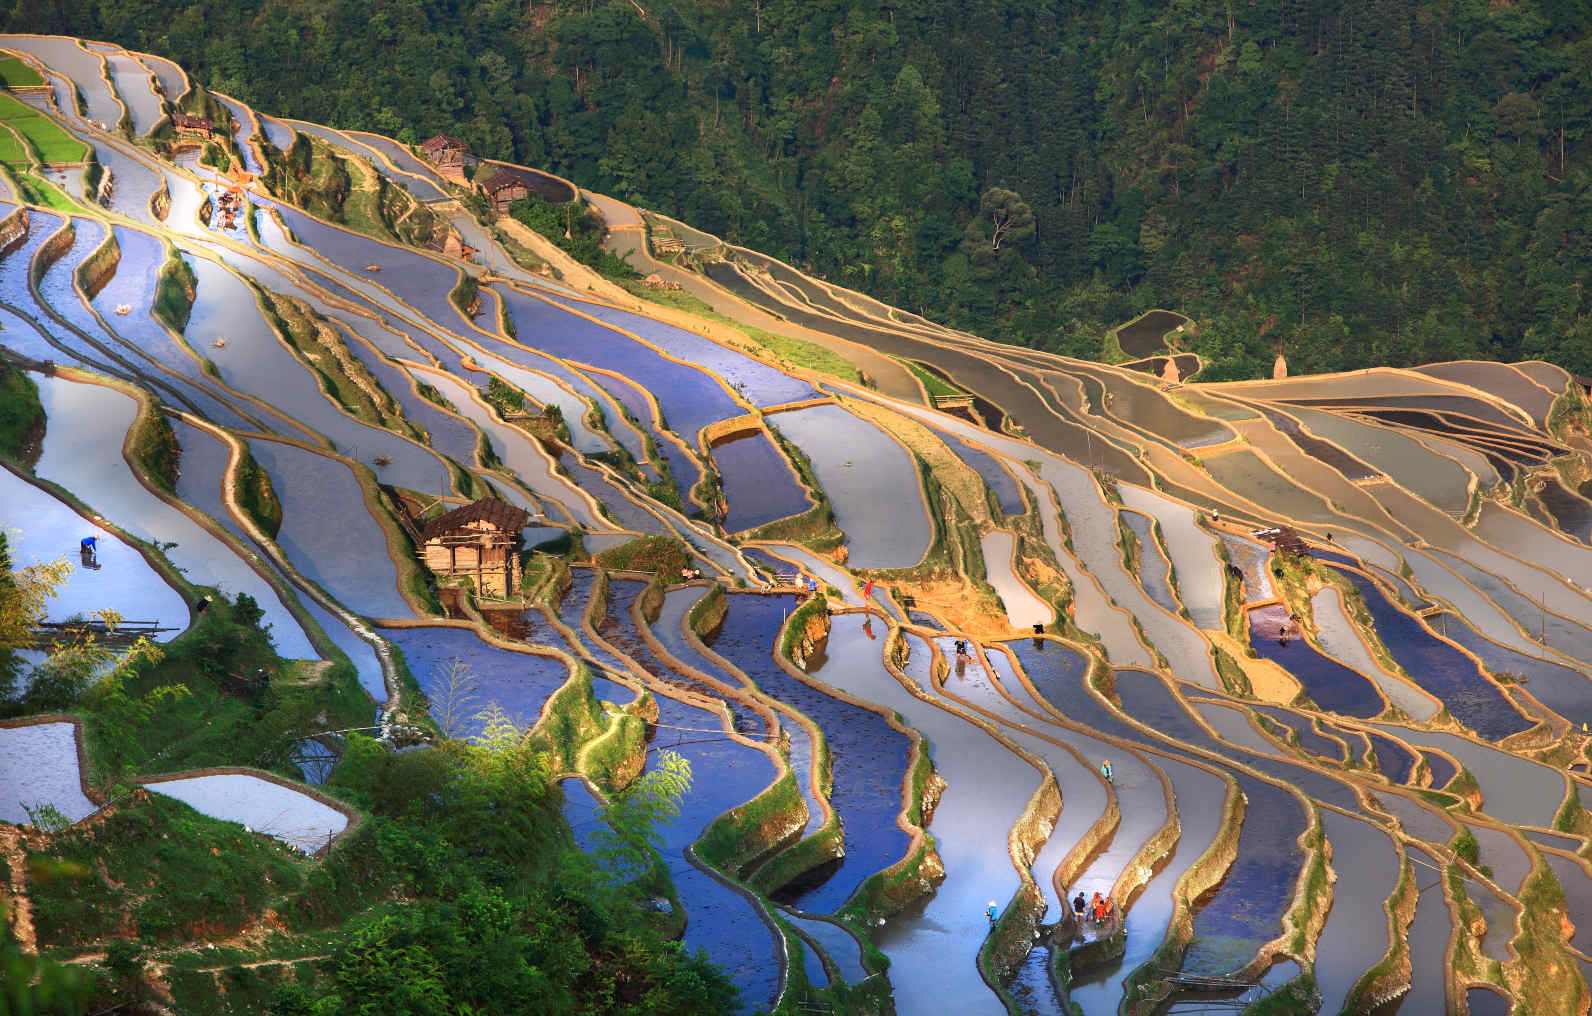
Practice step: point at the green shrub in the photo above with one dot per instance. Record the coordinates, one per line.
(576, 229)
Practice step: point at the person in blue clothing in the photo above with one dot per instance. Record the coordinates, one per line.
(88, 550)
(1105, 770)
(992, 913)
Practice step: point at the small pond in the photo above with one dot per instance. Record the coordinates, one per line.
(1024, 608)
(871, 481)
(1356, 934)
(1155, 572)
(350, 560)
(1439, 667)
(1334, 687)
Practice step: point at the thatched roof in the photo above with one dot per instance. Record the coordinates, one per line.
(499, 514)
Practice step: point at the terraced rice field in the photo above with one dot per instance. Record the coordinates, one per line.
(1435, 566)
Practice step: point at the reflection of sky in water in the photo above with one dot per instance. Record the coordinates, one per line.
(349, 560)
(869, 757)
(1439, 667)
(758, 484)
(518, 683)
(1333, 687)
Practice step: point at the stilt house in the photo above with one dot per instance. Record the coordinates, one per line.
(478, 542)
(447, 154)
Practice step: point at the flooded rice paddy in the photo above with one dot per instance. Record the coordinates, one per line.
(871, 481)
(868, 757)
(259, 805)
(463, 676)
(39, 766)
(759, 486)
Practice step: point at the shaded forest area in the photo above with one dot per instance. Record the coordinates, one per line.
(1374, 182)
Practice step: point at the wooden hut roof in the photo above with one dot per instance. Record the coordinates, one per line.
(193, 122)
(503, 179)
(443, 143)
(500, 514)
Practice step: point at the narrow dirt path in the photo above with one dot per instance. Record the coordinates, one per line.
(16, 889)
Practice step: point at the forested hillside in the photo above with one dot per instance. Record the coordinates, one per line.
(1351, 184)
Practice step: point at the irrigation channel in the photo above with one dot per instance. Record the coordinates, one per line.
(1298, 672)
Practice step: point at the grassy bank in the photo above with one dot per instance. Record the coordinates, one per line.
(174, 292)
(22, 419)
(746, 832)
(255, 495)
(153, 444)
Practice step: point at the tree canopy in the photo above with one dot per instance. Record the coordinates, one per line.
(1406, 180)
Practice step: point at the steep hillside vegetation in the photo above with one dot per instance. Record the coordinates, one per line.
(1375, 183)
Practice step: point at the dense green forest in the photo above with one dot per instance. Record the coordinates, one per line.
(1351, 184)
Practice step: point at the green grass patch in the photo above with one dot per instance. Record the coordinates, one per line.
(48, 138)
(1232, 676)
(744, 833)
(933, 383)
(796, 625)
(611, 759)
(256, 496)
(22, 418)
(14, 151)
(175, 291)
(1570, 811)
(154, 446)
(219, 695)
(791, 350)
(571, 717)
(39, 191)
(155, 869)
(708, 613)
(576, 229)
(342, 375)
(16, 74)
(662, 555)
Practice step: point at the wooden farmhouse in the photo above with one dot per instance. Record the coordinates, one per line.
(479, 542)
(193, 124)
(503, 188)
(447, 154)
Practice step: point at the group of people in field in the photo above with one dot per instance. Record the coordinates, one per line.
(1098, 909)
